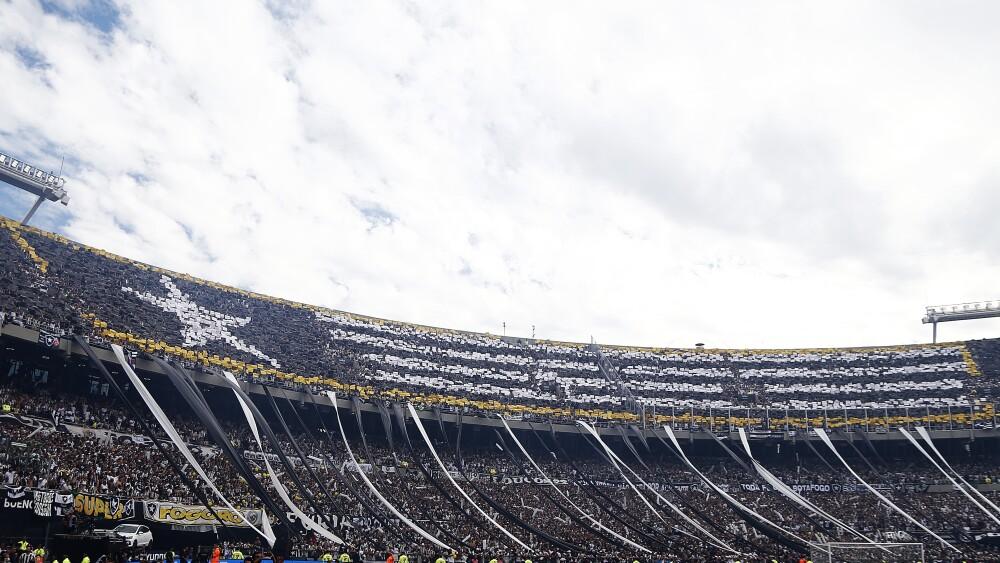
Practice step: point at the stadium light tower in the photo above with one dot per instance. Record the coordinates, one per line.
(34, 180)
(960, 312)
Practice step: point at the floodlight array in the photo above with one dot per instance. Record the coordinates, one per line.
(962, 311)
(30, 172)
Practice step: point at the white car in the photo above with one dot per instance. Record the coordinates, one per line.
(135, 535)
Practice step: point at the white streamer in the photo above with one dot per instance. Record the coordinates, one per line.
(564, 495)
(306, 521)
(927, 438)
(954, 483)
(175, 437)
(423, 432)
(791, 494)
(826, 440)
(333, 399)
(617, 460)
(727, 496)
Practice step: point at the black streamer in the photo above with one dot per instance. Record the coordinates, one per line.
(642, 437)
(816, 453)
(344, 480)
(401, 421)
(545, 492)
(731, 453)
(97, 363)
(600, 451)
(684, 502)
(857, 452)
(196, 401)
(631, 448)
(766, 529)
(302, 456)
(496, 505)
(273, 441)
(871, 446)
(648, 535)
(376, 471)
(387, 427)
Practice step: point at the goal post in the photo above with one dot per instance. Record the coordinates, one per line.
(846, 552)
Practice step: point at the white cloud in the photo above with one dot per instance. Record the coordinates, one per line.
(650, 173)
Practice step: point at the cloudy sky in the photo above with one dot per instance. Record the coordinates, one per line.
(766, 174)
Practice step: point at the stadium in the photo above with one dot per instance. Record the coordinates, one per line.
(301, 281)
(212, 416)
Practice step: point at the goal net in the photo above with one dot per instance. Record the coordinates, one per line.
(842, 552)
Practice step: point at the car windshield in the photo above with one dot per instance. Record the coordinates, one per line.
(127, 529)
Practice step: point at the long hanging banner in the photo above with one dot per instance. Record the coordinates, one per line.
(424, 533)
(635, 453)
(461, 491)
(631, 448)
(857, 452)
(871, 446)
(424, 513)
(611, 461)
(573, 516)
(175, 437)
(342, 478)
(826, 440)
(930, 443)
(498, 506)
(195, 399)
(744, 539)
(799, 544)
(400, 417)
(197, 491)
(614, 457)
(816, 453)
(729, 451)
(279, 487)
(565, 497)
(955, 483)
(614, 509)
(189, 391)
(356, 407)
(784, 489)
(310, 471)
(276, 449)
(601, 450)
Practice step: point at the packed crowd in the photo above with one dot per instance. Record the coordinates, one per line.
(82, 290)
(58, 459)
(887, 378)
